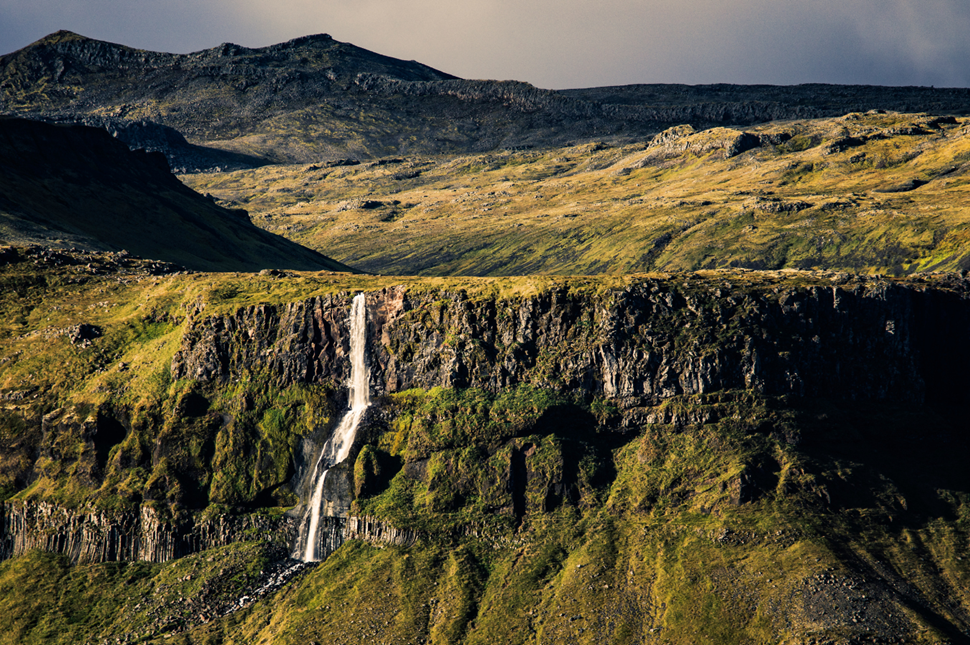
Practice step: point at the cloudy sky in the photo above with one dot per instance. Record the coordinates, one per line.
(559, 43)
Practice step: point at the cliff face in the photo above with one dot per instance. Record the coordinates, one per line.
(638, 345)
(628, 448)
(145, 535)
(335, 530)
(635, 346)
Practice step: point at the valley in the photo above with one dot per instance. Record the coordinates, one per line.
(632, 365)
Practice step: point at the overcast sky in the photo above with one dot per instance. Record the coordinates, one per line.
(559, 43)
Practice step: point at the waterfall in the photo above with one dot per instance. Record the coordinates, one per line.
(338, 446)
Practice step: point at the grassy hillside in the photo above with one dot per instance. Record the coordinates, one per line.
(653, 544)
(865, 192)
(702, 533)
(724, 517)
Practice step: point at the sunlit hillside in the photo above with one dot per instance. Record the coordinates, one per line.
(865, 192)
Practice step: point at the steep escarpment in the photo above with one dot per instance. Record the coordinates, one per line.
(639, 345)
(153, 535)
(726, 104)
(146, 535)
(730, 456)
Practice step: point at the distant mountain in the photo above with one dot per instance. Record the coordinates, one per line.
(315, 98)
(76, 186)
(270, 102)
(726, 104)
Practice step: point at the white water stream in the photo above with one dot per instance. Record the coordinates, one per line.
(338, 447)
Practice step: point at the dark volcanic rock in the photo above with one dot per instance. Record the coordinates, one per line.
(146, 534)
(83, 333)
(639, 346)
(903, 187)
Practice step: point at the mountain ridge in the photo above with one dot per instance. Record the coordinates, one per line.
(316, 98)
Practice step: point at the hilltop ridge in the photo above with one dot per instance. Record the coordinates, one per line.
(221, 93)
(316, 98)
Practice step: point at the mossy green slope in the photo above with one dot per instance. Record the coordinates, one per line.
(731, 517)
(839, 545)
(865, 192)
(47, 600)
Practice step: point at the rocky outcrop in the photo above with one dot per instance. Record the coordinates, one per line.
(334, 531)
(146, 534)
(375, 531)
(655, 339)
(674, 142)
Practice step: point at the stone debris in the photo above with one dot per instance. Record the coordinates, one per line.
(83, 334)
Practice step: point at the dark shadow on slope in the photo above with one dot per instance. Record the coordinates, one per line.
(903, 593)
(81, 181)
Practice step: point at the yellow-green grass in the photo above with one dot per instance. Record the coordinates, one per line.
(651, 535)
(686, 565)
(143, 316)
(808, 201)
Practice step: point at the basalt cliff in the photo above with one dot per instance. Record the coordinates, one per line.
(637, 345)
(658, 458)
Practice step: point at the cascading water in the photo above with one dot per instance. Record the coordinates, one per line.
(338, 447)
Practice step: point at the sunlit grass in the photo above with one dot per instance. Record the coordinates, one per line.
(809, 201)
